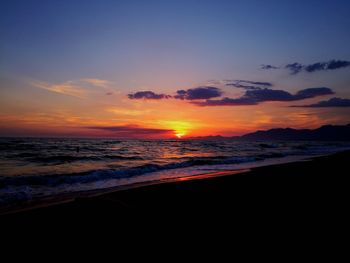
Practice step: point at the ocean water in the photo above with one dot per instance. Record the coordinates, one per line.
(35, 168)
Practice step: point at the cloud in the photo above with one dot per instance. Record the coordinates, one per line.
(247, 84)
(198, 93)
(267, 66)
(255, 92)
(243, 101)
(296, 67)
(69, 88)
(254, 97)
(131, 130)
(333, 102)
(314, 67)
(281, 95)
(147, 95)
(312, 92)
(97, 82)
(75, 88)
(330, 65)
(128, 112)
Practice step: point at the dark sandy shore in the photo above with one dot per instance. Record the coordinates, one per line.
(316, 188)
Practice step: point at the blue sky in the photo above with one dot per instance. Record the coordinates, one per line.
(168, 45)
(62, 39)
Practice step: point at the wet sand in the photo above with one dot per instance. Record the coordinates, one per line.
(316, 188)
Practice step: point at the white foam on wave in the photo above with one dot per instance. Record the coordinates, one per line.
(27, 192)
(108, 178)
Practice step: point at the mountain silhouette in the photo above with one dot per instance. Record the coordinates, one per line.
(324, 133)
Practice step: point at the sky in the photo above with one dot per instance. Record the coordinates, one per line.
(164, 69)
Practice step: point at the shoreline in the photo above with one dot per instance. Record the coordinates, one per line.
(124, 194)
(71, 197)
(63, 198)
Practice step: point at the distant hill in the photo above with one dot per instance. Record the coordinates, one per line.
(324, 133)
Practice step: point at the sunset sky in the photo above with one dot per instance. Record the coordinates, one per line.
(160, 69)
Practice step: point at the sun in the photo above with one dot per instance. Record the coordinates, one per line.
(179, 135)
(179, 128)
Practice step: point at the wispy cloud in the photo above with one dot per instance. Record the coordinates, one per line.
(131, 130)
(243, 101)
(74, 88)
(333, 102)
(97, 82)
(267, 66)
(248, 84)
(296, 67)
(66, 88)
(128, 112)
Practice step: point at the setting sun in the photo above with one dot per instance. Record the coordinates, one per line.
(180, 128)
(179, 135)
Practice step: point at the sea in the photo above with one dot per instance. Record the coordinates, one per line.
(34, 168)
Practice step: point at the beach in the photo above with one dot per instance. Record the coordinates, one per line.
(315, 187)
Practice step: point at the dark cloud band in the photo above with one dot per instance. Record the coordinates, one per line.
(296, 67)
(130, 130)
(247, 84)
(333, 102)
(255, 92)
(200, 93)
(254, 97)
(147, 95)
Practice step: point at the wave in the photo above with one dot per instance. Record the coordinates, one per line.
(268, 145)
(21, 188)
(105, 174)
(58, 159)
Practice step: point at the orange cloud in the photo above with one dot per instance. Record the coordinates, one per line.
(75, 88)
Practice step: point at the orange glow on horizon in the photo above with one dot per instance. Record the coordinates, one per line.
(180, 128)
(61, 115)
(179, 135)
